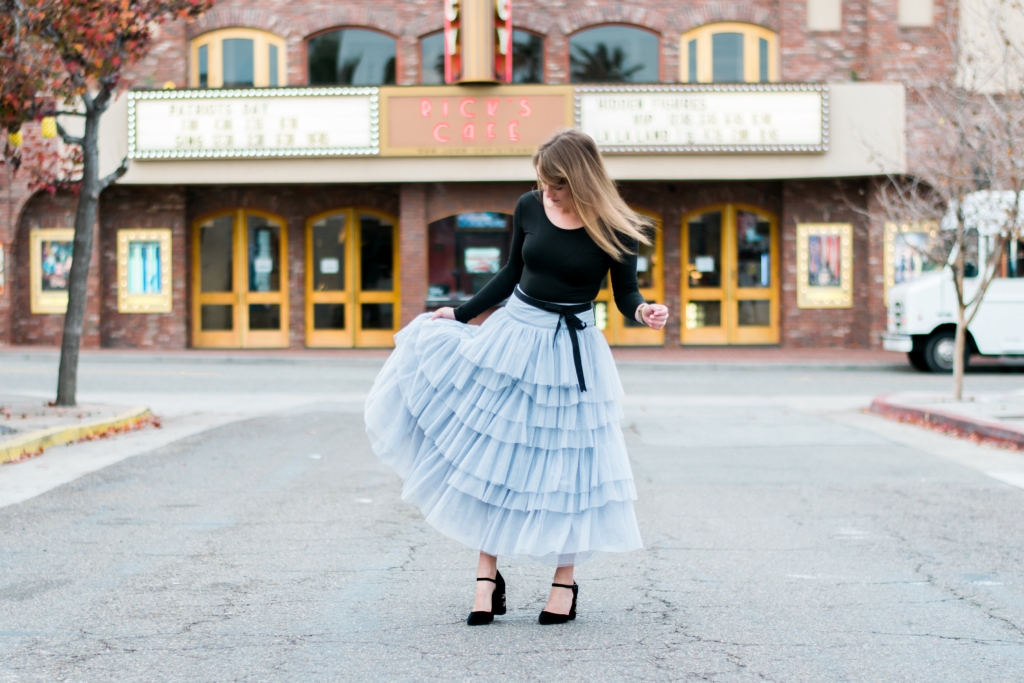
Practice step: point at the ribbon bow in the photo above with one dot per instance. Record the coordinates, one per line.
(572, 323)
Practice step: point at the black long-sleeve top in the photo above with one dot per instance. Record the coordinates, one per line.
(553, 264)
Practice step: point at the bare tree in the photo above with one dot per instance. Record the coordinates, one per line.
(966, 162)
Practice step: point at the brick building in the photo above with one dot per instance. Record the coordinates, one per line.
(303, 175)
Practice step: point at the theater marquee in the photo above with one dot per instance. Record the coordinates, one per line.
(507, 120)
(777, 118)
(265, 122)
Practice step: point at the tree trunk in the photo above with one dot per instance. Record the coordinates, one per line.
(78, 287)
(959, 347)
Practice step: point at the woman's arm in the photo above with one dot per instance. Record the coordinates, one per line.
(624, 283)
(502, 285)
(627, 293)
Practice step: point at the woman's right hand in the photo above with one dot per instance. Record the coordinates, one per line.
(447, 312)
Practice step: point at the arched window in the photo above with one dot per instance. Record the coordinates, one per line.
(614, 54)
(352, 56)
(432, 59)
(527, 58)
(729, 52)
(237, 58)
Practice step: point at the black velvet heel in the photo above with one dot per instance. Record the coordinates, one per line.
(547, 618)
(497, 603)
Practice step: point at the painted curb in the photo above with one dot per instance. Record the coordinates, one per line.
(40, 440)
(989, 431)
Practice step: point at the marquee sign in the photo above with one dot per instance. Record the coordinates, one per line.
(272, 122)
(715, 118)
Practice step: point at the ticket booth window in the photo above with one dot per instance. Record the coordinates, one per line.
(466, 251)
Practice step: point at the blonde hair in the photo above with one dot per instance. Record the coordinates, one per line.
(570, 157)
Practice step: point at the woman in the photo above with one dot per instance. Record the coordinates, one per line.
(507, 435)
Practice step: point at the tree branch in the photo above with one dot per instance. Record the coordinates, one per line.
(112, 177)
(68, 138)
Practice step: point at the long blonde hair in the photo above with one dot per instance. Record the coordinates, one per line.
(570, 157)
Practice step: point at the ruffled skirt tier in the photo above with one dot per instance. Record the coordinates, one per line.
(497, 445)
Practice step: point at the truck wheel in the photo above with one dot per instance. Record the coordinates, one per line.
(938, 352)
(917, 361)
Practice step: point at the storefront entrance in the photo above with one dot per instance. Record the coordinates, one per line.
(352, 296)
(730, 277)
(621, 330)
(240, 283)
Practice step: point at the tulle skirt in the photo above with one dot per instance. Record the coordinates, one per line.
(497, 445)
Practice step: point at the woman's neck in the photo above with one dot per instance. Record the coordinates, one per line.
(566, 219)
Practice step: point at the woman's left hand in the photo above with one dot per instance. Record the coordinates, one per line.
(655, 316)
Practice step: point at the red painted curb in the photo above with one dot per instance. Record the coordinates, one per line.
(965, 426)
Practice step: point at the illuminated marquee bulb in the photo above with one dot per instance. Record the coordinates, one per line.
(48, 127)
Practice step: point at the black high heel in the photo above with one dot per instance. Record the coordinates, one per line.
(497, 603)
(547, 618)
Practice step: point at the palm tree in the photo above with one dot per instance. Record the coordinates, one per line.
(601, 65)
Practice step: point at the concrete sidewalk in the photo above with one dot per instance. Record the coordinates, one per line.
(992, 418)
(28, 426)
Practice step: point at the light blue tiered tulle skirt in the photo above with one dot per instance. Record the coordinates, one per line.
(497, 445)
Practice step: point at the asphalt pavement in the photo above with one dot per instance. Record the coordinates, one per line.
(789, 537)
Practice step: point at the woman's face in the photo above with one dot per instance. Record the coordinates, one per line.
(558, 195)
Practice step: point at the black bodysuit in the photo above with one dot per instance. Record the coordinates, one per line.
(552, 264)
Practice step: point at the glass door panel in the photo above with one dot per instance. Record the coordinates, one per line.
(622, 330)
(216, 312)
(351, 280)
(378, 268)
(328, 310)
(240, 282)
(755, 321)
(266, 310)
(703, 291)
(730, 293)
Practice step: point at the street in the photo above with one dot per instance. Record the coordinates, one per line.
(255, 537)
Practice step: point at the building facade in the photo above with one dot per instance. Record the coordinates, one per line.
(313, 174)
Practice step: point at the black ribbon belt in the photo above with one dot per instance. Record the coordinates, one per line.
(572, 323)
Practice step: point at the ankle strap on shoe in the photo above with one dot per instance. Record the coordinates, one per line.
(484, 578)
(562, 585)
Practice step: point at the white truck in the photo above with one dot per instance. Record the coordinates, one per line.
(922, 320)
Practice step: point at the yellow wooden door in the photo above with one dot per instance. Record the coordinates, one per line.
(619, 329)
(730, 281)
(352, 279)
(240, 281)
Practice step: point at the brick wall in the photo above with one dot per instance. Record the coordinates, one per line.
(144, 207)
(14, 195)
(830, 201)
(870, 45)
(49, 211)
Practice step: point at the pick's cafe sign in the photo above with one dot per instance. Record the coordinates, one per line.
(509, 120)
